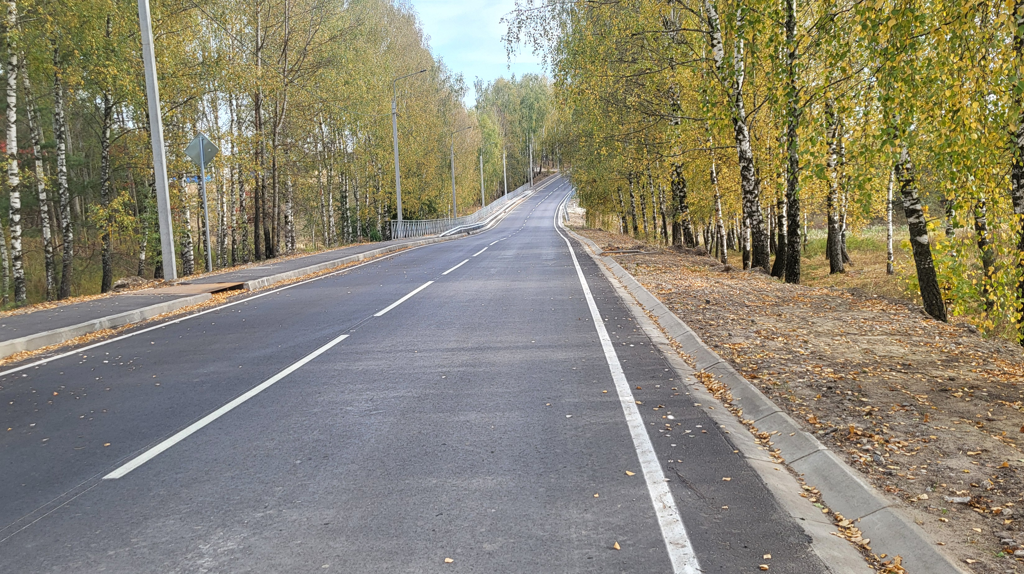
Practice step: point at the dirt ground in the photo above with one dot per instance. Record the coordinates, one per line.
(929, 412)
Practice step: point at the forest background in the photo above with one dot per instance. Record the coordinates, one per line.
(732, 123)
(295, 93)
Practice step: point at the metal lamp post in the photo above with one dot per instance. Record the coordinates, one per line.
(455, 207)
(504, 169)
(394, 136)
(483, 199)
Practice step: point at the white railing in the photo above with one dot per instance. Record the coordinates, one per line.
(427, 227)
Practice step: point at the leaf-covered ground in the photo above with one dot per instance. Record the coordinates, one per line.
(930, 413)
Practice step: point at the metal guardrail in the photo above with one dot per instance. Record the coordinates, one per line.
(571, 198)
(426, 227)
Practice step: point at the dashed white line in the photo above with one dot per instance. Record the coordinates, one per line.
(456, 267)
(481, 251)
(184, 433)
(403, 299)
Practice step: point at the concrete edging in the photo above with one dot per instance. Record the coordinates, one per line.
(63, 334)
(841, 487)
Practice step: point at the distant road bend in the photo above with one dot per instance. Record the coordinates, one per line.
(478, 405)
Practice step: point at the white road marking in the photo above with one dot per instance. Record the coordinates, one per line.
(43, 362)
(456, 267)
(184, 433)
(403, 299)
(680, 549)
(493, 242)
(481, 251)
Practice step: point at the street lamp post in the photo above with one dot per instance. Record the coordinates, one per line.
(394, 136)
(455, 207)
(483, 200)
(156, 132)
(504, 169)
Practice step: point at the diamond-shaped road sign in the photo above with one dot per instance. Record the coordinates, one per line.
(202, 151)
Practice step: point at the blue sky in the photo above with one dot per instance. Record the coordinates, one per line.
(467, 36)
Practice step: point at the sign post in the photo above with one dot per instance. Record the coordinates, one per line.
(202, 151)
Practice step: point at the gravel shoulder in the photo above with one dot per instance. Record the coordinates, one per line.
(930, 413)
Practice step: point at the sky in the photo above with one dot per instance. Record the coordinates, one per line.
(467, 36)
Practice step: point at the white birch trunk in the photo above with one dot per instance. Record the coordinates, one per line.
(890, 260)
(60, 136)
(36, 131)
(13, 173)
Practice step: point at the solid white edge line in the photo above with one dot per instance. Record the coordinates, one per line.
(456, 267)
(402, 300)
(673, 531)
(493, 242)
(481, 251)
(192, 428)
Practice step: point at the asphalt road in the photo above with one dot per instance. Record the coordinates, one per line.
(482, 419)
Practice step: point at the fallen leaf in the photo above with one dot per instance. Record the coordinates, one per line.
(628, 473)
(616, 546)
(595, 495)
(767, 557)
(448, 561)
(764, 567)
(726, 478)
(976, 529)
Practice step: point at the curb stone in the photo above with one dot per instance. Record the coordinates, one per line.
(58, 336)
(844, 490)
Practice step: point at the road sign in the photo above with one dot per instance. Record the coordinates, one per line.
(202, 151)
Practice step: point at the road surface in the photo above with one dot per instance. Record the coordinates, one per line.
(455, 401)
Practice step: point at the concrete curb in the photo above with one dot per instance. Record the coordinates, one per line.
(57, 336)
(286, 275)
(842, 487)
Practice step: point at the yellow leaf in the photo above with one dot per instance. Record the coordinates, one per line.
(628, 473)
(616, 546)
(448, 561)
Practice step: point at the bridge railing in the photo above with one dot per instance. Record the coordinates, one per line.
(427, 227)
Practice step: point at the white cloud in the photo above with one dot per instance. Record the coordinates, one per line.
(467, 35)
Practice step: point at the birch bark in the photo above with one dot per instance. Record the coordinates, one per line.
(60, 136)
(931, 294)
(36, 132)
(13, 173)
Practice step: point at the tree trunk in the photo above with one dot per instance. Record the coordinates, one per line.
(931, 294)
(749, 182)
(1017, 169)
(13, 173)
(107, 282)
(60, 136)
(779, 268)
(188, 262)
(36, 132)
(833, 245)
(661, 210)
(745, 240)
(632, 208)
(682, 227)
(289, 221)
(146, 218)
(988, 255)
(889, 259)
